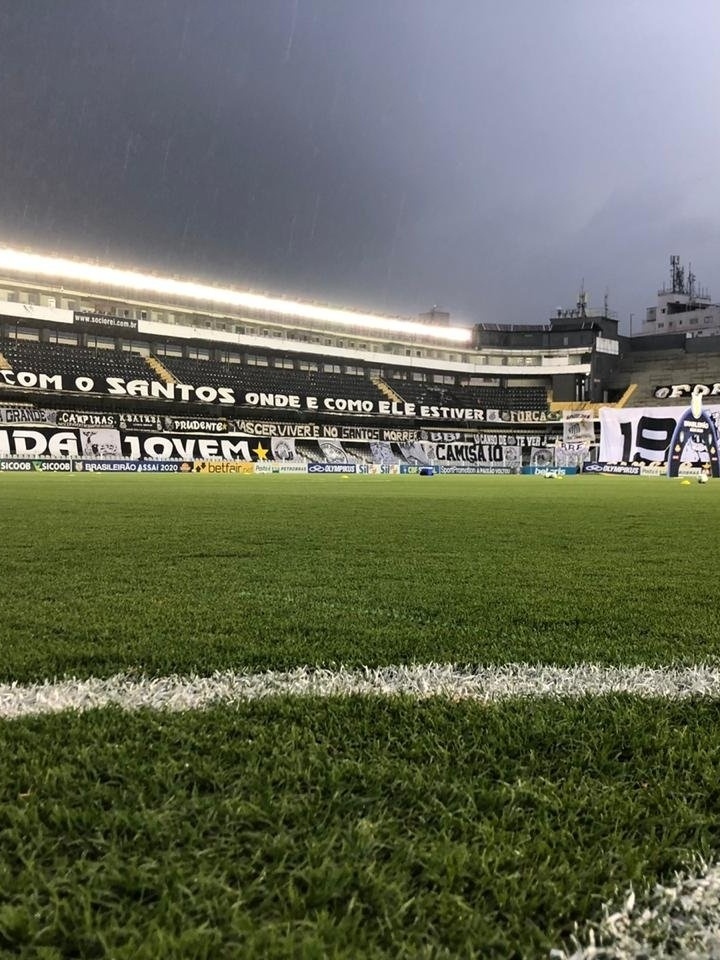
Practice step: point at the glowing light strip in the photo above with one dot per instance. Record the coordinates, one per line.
(15, 261)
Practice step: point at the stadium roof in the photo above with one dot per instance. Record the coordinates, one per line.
(64, 269)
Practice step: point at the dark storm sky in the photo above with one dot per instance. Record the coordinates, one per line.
(485, 155)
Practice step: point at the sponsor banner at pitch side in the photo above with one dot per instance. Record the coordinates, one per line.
(661, 470)
(36, 466)
(280, 466)
(538, 471)
(224, 467)
(622, 469)
(475, 468)
(332, 468)
(641, 469)
(132, 466)
(406, 468)
(94, 466)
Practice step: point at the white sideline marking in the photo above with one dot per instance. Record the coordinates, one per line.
(484, 684)
(680, 921)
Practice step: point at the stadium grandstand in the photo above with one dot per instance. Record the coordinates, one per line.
(160, 368)
(651, 363)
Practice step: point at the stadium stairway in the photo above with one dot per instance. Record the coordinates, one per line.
(622, 402)
(162, 371)
(386, 389)
(4, 364)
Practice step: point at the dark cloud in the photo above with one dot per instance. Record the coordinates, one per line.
(389, 153)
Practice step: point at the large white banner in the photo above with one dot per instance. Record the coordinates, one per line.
(647, 433)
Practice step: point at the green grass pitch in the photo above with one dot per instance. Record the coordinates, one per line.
(346, 828)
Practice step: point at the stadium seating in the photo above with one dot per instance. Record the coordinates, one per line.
(413, 392)
(272, 379)
(210, 373)
(503, 398)
(499, 398)
(55, 358)
(73, 361)
(357, 454)
(650, 369)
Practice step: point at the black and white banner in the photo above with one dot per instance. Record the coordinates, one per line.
(142, 421)
(70, 418)
(232, 396)
(578, 427)
(283, 448)
(195, 425)
(105, 437)
(542, 457)
(677, 391)
(520, 416)
(512, 456)
(446, 453)
(118, 387)
(26, 415)
(331, 431)
(660, 434)
(124, 444)
(110, 443)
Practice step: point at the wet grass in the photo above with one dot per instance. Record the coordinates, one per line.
(176, 574)
(345, 828)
